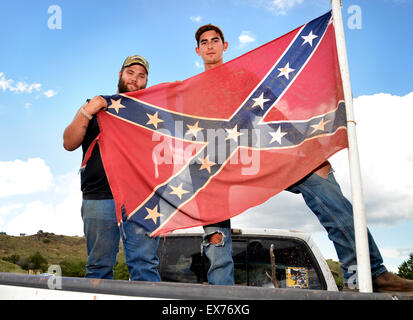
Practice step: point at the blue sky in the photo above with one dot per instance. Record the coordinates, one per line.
(46, 74)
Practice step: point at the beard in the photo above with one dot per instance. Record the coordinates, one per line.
(123, 87)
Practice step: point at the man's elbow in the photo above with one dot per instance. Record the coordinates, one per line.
(70, 140)
(68, 147)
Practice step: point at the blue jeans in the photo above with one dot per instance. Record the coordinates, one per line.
(335, 213)
(102, 242)
(221, 271)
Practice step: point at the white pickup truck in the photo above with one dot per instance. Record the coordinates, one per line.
(298, 261)
(301, 273)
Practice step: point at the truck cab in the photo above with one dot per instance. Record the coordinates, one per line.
(298, 261)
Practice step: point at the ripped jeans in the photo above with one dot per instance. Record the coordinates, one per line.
(102, 243)
(335, 213)
(221, 271)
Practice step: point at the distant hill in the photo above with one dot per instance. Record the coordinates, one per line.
(56, 249)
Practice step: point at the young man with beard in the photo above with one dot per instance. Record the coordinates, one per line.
(98, 207)
(320, 191)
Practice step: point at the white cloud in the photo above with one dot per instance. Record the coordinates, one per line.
(22, 87)
(279, 7)
(34, 217)
(386, 156)
(24, 177)
(50, 93)
(61, 217)
(392, 253)
(28, 88)
(245, 38)
(198, 64)
(284, 211)
(195, 18)
(395, 256)
(9, 208)
(7, 84)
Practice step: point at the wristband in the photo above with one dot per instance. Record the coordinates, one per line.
(86, 114)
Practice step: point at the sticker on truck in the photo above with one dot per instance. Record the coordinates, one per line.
(297, 277)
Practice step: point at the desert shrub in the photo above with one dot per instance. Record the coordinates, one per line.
(37, 262)
(120, 271)
(76, 268)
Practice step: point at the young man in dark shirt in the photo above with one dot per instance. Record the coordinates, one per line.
(98, 207)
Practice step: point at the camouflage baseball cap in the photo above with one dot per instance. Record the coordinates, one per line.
(136, 59)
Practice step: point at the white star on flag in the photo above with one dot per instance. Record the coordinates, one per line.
(116, 104)
(194, 129)
(320, 126)
(309, 39)
(154, 119)
(153, 214)
(276, 136)
(233, 134)
(260, 101)
(285, 71)
(178, 191)
(206, 164)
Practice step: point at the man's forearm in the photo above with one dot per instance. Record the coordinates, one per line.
(75, 133)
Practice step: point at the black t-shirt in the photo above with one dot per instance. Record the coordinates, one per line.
(94, 183)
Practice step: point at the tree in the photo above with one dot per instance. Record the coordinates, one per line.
(76, 268)
(13, 258)
(406, 268)
(37, 262)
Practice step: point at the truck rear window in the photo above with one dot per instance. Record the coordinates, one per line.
(181, 261)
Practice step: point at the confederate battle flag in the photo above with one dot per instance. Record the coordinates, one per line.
(203, 150)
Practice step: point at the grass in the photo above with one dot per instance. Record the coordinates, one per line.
(55, 248)
(10, 267)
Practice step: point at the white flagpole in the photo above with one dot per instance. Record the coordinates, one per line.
(360, 226)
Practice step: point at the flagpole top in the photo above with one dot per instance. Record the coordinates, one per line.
(341, 3)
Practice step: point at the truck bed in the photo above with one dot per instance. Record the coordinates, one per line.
(37, 287)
